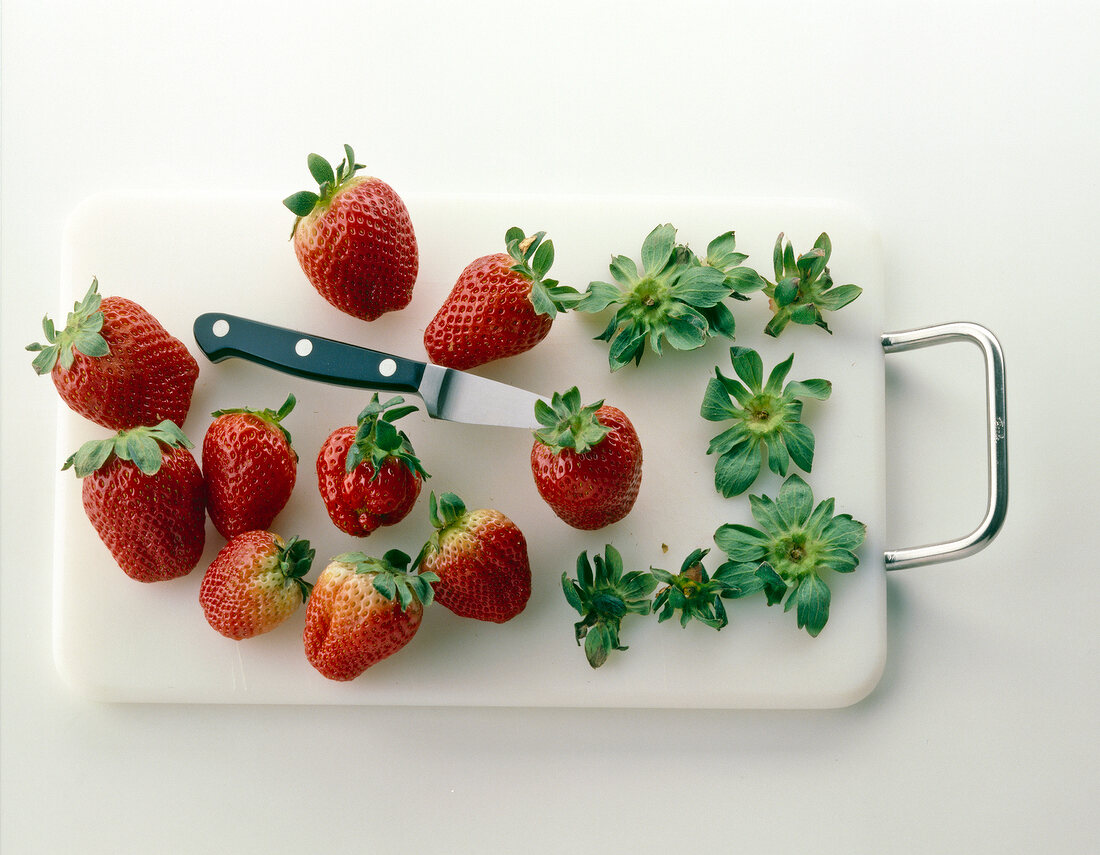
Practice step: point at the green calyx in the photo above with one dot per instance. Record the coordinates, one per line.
(140, 446)
(766, 416)
(377, 440)
(81, 333)
(533, 258)
(803, 287)
(271, 417)
(693, 593)
(567, 424)
(603, 598)
(302, 203)
(676, 298)
(391, 577)
(794, 544)
(295, 557)
(445, 513)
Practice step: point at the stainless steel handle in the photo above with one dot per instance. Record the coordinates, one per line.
(997, 425)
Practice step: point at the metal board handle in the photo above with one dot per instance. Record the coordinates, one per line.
(997, 429)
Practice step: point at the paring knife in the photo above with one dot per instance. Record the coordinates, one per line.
(447, 393)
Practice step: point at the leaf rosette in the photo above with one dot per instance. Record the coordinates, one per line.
(804, 287)
(785, 557)
(767, 420)
(674, 298)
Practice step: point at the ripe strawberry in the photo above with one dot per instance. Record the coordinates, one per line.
(249, 466)
(116, 365)
(255, 583)
(587, 461)
(501, 305)
(480, 558)
(354, 239)
(362, 610)
(145, 497)
(369, 475)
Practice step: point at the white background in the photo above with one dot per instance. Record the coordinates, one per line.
(968, 132)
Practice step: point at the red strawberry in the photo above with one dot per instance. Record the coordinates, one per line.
(587, 461)
(255, 583)
(362, 610)
(369, 475)
(501, 305)
(116, 365)
(145, 497)
(354, 239)
(480, 558)
(249, 466)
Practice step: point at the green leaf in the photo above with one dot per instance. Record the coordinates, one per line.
(742, 543)
(540, 299)
(805, 314)
(543, 259)
(777, 257)
(722, 245)
(845, 532)
(817, 389)
(624, 271)
(701, 287)
(720, 320)
(744, 280)
(778, 458)
(772, 583)
(786, 292)
(766, 514)
(795, 501)
(778, 375)
(738, 392)
(687, 329)
(812, 600)
(739, 579)
(598, 644)
(302, 203)
(736, 470)
(657, 248)
(749, 366)
(800, 444)
(717, 406)
(385, 585)
(728, 438)
(598, 297)
(320, 169)
(839, 297)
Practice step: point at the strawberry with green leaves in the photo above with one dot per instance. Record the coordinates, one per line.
(145, 497)
(362, 610)
(674, 298)
(354, 239)
(502, 305)
(368, 474)
(255, 583)
(115, 364)
(586, 460)
(480, 558)
(803, 287)
(250, 467)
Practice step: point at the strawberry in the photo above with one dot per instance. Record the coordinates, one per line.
(362, 610)
(250, 468)
(369, 474)
(354, 239)
(501, 305)
(587, 461)
(146, 499)
(480, 558)
(255, 583)
(116, 365)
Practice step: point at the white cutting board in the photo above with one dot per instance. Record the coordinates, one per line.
(179, 256)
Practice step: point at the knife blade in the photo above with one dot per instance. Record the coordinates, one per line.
(448, 393)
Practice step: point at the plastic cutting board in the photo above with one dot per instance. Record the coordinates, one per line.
(181, 255)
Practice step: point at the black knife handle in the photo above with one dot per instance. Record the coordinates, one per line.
(222, 336)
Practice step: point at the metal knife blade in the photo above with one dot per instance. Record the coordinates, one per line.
(447, 393)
